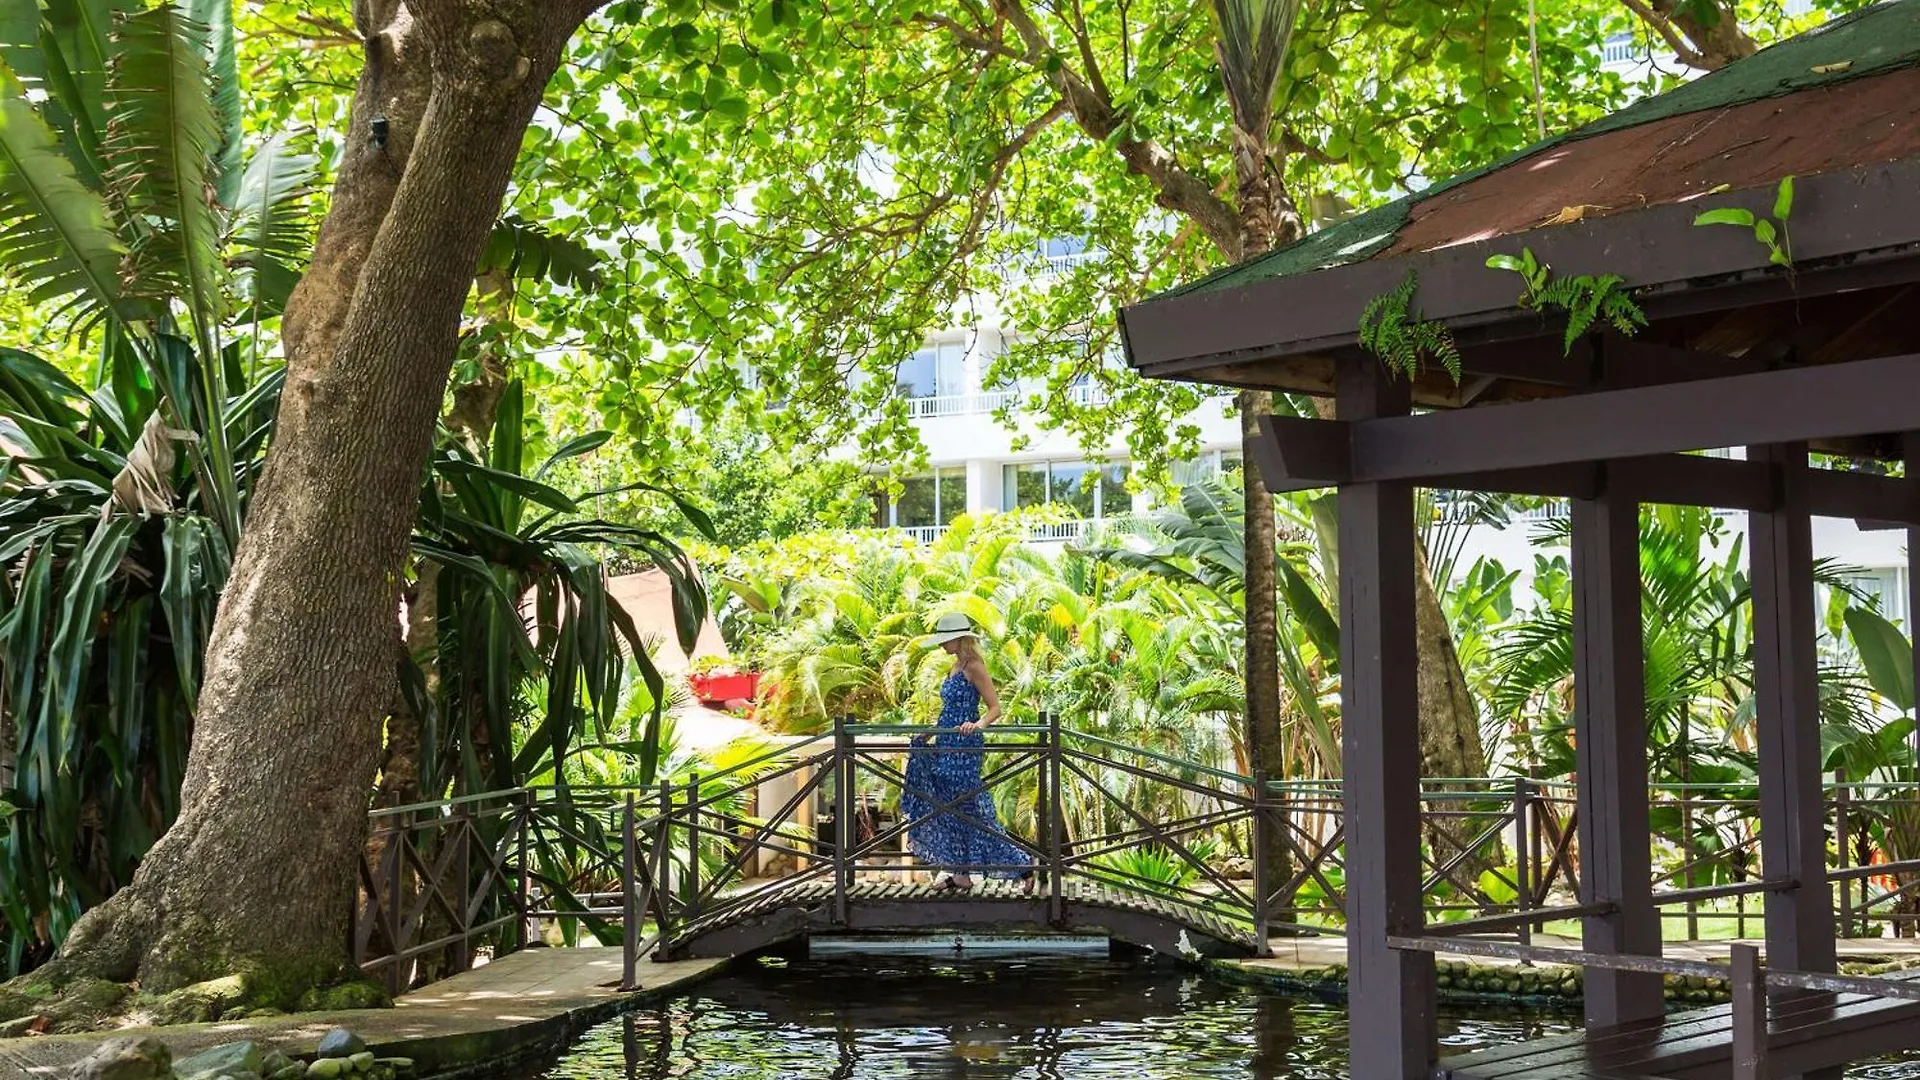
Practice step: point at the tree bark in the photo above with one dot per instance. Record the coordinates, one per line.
(257, 875)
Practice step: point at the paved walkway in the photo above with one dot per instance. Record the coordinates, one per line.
(520, 1006)
(1306, 954)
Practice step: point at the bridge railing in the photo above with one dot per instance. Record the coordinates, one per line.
(445, 881)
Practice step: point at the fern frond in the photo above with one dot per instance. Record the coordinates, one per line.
(55, 236)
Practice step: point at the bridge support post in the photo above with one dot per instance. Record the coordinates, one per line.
(693, 846)
(1259, 837)
(844, 833)
(1056, 824)
(629, 904)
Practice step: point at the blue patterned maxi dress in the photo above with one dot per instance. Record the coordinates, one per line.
(969, 833)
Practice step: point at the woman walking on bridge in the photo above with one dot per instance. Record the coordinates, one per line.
(952, 823)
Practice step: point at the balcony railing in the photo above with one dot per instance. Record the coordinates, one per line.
(961, 404)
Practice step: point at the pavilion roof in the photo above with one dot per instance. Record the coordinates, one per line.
(1838, 108)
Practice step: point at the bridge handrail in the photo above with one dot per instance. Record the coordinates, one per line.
(1154, 755)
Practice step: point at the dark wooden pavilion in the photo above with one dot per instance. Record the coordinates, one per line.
(1818, 357)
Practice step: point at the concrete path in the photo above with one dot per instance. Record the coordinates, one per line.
(519, 1007)
(1304, 954)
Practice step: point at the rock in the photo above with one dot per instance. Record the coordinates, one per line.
(201, 1002)
(401, 1066)
(340, 1043)
(364, 994)
(362, 1061)
(273, 1061)
(129, 1058)
(291, 1072)
(229, 1060)
(327, 1069)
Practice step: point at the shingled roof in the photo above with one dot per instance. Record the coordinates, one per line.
(1838, 108)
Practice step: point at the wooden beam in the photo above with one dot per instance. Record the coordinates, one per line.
(1291, 449)
(1391, 993)
(1790, 405)
(1799, 921)
(1297, 454)
(1610, 746)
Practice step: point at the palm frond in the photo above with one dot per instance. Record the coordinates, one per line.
(55, 238)
(162, 132)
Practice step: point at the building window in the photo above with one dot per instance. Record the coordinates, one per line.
(935, 499)
(935, 371)
(1089, 489)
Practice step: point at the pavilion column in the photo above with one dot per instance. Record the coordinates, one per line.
(1610, 743)
(1799, 920)
(1391, 992)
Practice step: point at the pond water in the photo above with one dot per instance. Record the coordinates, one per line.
(920, 1016)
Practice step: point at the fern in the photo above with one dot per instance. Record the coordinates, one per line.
(1393, 331)
(1586, 299)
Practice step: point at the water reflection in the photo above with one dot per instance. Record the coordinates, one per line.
(1034, 1018)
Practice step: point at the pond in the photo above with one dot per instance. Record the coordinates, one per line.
(920, 1015)
(913, 1015)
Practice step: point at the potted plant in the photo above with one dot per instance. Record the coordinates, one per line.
(715, 680)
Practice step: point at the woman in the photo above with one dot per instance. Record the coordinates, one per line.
(948, 827)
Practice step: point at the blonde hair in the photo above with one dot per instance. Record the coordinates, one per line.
(967, 651)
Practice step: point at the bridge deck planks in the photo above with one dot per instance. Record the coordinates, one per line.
(1803, 1033)
(996, 901)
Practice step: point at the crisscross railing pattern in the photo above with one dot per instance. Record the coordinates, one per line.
(1097, 820)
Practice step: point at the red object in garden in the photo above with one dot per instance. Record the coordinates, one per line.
(730, 687)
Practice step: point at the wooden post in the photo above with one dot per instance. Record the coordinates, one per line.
(844, 833)
(693, 846)
(1610, 745)
(663, 867)
(1749, 985)
(1258, 837)
(462, 827)
(1056, 825)
(1391, 992)
(1842, 841)
(1522, 875)
(523, 885)
(1793, 846)
(630, 904)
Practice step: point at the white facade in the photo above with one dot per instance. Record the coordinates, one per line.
(973, 463)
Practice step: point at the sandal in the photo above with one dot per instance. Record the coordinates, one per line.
(947, 884)
(1027, 883)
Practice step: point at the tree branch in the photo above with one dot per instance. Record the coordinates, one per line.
(1180, 190)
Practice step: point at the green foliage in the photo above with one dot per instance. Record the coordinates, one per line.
(1587, 300)
(1392, 330)
(1770, 233)
(514, 694)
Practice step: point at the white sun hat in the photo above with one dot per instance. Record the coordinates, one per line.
(951, 626)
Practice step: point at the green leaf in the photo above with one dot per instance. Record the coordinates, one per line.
(1763, 232)
(1783, 199)
(1726, 215)
(1886, 654)
(54, 235)
(161, 141)
(216, 16)
(533, 490)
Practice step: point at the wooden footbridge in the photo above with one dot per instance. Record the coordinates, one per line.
(804, 839)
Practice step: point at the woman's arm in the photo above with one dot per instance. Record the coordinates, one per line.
(977, 675)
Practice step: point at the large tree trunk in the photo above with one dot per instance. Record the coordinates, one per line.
(257, 874)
